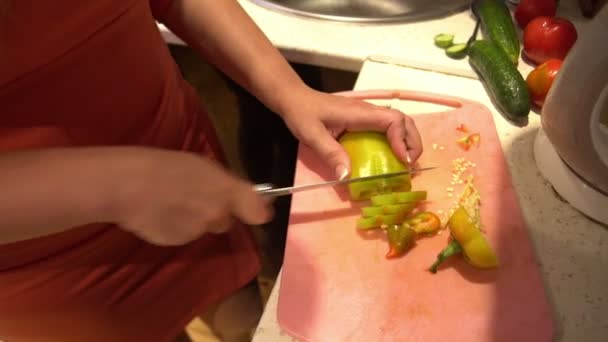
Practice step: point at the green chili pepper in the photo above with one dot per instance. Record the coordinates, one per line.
(370, 154)
(453, 248)
(399, 238)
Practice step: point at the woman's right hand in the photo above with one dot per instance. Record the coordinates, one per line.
(172, 198)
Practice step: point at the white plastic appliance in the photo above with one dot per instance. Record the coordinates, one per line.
(571, 149)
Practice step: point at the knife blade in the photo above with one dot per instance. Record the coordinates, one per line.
(267, 189)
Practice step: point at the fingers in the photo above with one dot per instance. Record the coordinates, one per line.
(220, 225)
(396, 135)
(250, 207)
(337, 114)
(412, 139)
(330, 150)
(400, 129)
(401, 133)
(363, 116)
(405, 139)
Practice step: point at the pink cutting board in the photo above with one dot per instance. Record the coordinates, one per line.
(336, 284)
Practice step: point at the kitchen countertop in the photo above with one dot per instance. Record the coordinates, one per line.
(572, 250)
(344, 46)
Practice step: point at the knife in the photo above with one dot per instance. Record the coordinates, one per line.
(267, 189)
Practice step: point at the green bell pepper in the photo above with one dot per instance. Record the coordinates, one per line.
(370, 154)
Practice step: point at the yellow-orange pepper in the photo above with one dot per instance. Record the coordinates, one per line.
(476, 249)
(371, 154)
(468, 240)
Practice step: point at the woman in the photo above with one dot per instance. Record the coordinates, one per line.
(118, 221)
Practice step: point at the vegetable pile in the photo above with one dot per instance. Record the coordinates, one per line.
(394, 206)
(547, 39)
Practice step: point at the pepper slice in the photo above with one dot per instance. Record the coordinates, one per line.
(379, 221)
(399, 197)
(464, 143)
(475, 139)
(400, 238)
(423, 223)
(462, 128)
(370, 154)
(388, 209)
(470, 140)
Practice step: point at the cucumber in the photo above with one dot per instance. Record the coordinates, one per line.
(457, 51)
(444, 40)
(497, 25)
(503, 82)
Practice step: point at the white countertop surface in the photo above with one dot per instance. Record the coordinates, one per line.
(344, 46)
(572, 250)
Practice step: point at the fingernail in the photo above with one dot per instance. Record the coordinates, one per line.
(407, 157)
(341, 172)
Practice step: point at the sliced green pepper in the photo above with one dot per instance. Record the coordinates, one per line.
(380, 220)
(400, 238)
(370, 154)
(399, 197)
(388, 209)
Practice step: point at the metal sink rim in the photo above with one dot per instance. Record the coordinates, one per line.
(441, 11)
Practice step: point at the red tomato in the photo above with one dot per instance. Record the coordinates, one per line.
(548, 38)
(540, 80)
(530, 9)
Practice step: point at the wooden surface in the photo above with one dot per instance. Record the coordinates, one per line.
(337, 286)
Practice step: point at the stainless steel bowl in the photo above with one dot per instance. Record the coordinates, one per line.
(366, 10)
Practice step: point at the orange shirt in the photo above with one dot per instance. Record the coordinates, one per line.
(77, 73)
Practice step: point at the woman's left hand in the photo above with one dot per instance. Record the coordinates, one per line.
(318, 118)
